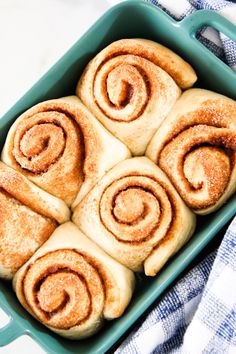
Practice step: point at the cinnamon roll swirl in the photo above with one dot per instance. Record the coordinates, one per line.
(28, 216)
(62, 148)
(136, 216)
(71, 285)
(196, 148)
(131, 85)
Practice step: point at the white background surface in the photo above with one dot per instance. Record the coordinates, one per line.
(33, 35)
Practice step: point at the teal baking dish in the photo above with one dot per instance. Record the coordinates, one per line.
(128, 19)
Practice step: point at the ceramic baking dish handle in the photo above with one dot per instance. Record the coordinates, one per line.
(203, 18)
(10, 332)
(12, 329)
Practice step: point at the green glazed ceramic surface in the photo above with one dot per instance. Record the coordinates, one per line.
(128, 19)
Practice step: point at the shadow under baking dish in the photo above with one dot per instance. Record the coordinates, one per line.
(129, 19)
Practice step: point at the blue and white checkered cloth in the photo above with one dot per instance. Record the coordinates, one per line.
(198, 315)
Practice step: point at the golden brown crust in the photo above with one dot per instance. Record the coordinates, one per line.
(48, 147)
(129, 86)
(75, 276)
(70, 285)
(16, 185)
(196, 147)
(24, 224)
(22, 231)
(28, 216)
(132, 212)
(132, 208)
(57, 145)
(175, 66)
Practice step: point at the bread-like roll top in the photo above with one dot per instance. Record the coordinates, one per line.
(28, 216)
(136, 215)
(71, 285)
(196, 147)
(131, 85)
(62, 148)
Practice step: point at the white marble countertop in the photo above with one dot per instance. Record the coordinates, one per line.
(34, 34)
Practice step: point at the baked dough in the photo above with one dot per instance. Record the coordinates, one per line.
(62, 148)
(71, 285)
(136, 216)
(196, 147)
(131, 86)
(28, 216)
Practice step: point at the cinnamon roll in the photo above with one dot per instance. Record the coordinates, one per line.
(62, 148)
(28, 216)
(136, 216)
(131, 85)
(71, 285)
(196, 148)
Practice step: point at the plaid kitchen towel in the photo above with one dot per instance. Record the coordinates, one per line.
(198, 315)
(218, 43)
